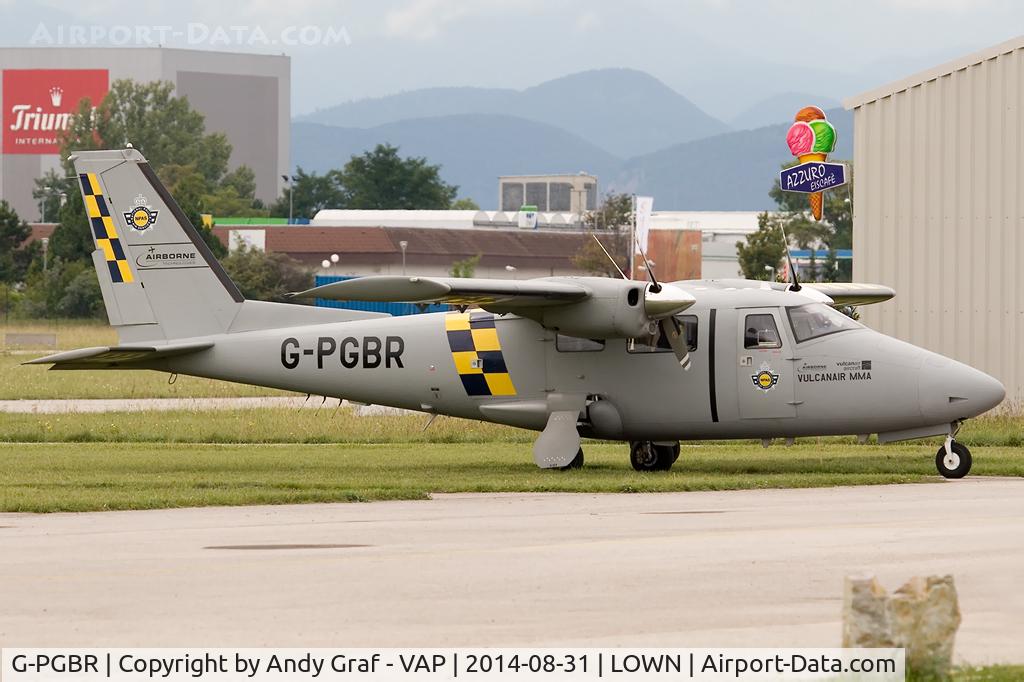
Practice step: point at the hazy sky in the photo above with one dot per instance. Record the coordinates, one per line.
(722, 54)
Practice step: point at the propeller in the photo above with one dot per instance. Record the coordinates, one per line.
(669, 326)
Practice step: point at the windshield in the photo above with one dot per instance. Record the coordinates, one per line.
(817, 319)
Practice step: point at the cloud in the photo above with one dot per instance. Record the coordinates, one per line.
(587, 21)
(424, 19)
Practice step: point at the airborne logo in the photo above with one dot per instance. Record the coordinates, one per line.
(168, 257)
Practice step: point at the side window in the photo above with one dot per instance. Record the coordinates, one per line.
(760, 332)
(661, 344)
(574, 344)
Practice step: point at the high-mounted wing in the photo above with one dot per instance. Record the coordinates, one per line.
(496, 295)
(588, 307)
(852, 293)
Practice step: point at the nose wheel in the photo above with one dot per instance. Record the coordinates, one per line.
(647, 455)
(953, 460)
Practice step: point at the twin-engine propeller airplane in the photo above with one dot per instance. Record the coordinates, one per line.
(642, 362)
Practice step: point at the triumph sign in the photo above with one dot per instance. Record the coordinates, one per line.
(38, 104)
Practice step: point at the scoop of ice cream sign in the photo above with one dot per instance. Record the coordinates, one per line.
(811, 139)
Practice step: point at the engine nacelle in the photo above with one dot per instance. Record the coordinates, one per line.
(616, 309)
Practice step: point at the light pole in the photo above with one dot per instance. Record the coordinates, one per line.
(511, 269)
(46, 250)
(403, 245)
(769, 268)
(290, 180)
(42, 203)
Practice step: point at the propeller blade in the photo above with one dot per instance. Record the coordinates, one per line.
(655, 287)
(673, 331)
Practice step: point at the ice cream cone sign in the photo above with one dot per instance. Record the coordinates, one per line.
(811, 139)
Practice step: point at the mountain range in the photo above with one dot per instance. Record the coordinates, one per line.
(630, 129)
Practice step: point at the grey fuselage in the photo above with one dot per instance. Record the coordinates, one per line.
(855, 381)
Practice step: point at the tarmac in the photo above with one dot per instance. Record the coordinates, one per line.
(740, 568)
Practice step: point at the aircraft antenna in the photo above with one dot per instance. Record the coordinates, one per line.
(795, 286)
(614, 264)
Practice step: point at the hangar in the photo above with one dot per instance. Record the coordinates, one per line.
(938, 211)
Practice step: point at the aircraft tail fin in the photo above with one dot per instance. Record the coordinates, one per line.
(159, 279)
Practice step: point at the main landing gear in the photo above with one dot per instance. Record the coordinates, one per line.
(953, 460)
(576, 463)
(646, 455)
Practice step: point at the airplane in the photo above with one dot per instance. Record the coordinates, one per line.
(647, 363)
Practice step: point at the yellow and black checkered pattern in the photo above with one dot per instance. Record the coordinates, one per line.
(476, 350)
(103, 229)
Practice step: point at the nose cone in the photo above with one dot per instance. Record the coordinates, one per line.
(666, 302)
(984, 392)
(954, 391)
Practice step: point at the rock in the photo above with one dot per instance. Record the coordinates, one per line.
(922, 616)
(865, 619)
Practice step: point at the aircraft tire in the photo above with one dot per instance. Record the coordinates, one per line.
(957, 465)
(675, 452)
(576, 463)
(646, 456)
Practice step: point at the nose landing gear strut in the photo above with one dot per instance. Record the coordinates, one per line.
(953, 460)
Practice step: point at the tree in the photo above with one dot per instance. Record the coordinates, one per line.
(763, 249)
(834, 232)
(192, 163)
(611, 223)
(380, 179)
(465, 204)
(14, 258)
(266, 276)
(465, 267)
(310, 193)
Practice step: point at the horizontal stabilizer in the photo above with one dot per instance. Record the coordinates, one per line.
(104, 357)
(490, 293)
(852, 293)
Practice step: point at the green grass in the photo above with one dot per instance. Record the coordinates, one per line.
(47, 477)
(331, 425)
(989, 673)
(70, 333)
(264, 425)
(36, 382)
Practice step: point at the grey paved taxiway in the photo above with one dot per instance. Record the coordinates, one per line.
(745, 568)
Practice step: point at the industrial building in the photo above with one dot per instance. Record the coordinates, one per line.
(575, 193)
(938, 209)
(245, 96)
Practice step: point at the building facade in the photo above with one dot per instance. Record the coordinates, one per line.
(549, 193)
(938, 213)
(245, 96)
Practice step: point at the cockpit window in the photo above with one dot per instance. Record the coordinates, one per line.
(817, 319)
(760, 332)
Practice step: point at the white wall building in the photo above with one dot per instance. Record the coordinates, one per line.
(721, 230)
(938, 213)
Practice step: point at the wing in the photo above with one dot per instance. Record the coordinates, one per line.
(588, 307)
(112, 357)
(496, 295)
(852, 293)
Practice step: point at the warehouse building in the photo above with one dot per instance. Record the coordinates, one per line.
(244, 96)
(938, 213)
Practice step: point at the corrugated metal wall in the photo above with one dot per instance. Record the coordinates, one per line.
(938, 215)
